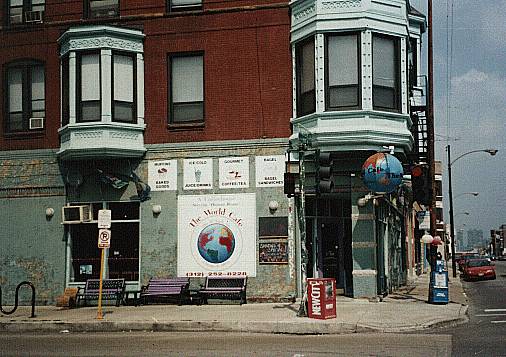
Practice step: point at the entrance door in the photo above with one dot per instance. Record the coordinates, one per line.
(332, 250)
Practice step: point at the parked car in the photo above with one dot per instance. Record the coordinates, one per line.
(464, 258)
(477, 269)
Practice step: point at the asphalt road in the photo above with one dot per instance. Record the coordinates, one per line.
(224, 344)
(485, 334)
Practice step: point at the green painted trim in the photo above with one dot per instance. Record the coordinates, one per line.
(49, 154)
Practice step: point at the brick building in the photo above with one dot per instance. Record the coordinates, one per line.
(177, 116)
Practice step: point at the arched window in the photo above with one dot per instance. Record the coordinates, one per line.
(25, 99)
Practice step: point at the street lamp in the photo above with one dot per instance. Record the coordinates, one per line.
(492, 152)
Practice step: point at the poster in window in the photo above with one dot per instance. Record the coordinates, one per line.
(216, 235)
(275, 252)
(273, 227)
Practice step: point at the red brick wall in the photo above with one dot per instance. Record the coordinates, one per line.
(247, 69)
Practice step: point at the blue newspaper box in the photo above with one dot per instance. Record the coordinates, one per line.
(438, 290)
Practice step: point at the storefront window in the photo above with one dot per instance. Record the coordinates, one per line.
(122, 258)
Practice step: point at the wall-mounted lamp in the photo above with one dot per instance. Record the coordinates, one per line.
(362, 201)
(156, 209)
(49, 212)
(273, 206)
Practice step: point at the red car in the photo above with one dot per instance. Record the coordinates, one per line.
(476, 269)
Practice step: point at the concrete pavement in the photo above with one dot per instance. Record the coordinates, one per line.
(404, 310)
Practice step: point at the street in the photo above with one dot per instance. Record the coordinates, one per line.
(485, 334)
(223, 344)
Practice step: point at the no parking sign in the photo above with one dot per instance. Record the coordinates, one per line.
(104, 238)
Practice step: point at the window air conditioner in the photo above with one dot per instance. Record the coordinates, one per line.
(76, 214)
(36, 123)
(34, 16)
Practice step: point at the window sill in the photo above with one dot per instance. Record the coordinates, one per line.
(186, 126)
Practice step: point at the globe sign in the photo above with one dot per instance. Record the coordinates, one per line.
(216, 243)
(382, 173)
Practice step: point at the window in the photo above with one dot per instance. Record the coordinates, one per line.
(412, 63)
(102, 8)
(187, 89)
(124, 88)
(123, 258)
(89, 87)
(25, 96)
(25, 11)
(386, 73)
(65, 94)
(305, 62)
(342, 80)
(182, 5)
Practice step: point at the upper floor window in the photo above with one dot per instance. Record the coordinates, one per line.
(413, 63)
(88, 79)
(305, 73)
(25, 96)
(181, 5)
(186, 89)
(102, 8)
(342, 75)
(124, 87)
(386, 73)
(26, 11)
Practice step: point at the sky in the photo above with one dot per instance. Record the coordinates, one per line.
(469, 47)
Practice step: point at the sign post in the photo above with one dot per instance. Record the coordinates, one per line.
(104, 242)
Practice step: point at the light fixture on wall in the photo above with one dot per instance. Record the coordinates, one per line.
(49, 212)
(362, 201)
(273, 206)
(156, 209)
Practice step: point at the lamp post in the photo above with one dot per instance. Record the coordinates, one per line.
(450, 196)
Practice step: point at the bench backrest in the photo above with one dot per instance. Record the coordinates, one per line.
(107, 284)
(225, 283)
(157, 284)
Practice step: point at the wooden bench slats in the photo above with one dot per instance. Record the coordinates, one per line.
(111, 289)
(165, 288)
(224, 288)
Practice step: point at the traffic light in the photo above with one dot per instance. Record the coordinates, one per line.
(323, 182)
(289, 185)
(421, 184)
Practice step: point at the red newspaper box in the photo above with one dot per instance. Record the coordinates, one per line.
(321, 294)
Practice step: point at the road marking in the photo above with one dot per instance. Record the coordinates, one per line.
(484, 315)
(495, 310)
(498, 322)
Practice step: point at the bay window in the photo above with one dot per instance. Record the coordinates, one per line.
(386, 73)
(124, 89)
(305, 73)
(342, 79)
(89, 87)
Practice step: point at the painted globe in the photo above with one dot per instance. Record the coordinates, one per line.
(216, 243)
(382, 173)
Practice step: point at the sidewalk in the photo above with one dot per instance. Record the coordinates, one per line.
(404, 310)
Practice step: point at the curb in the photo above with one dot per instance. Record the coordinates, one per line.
(271, 327)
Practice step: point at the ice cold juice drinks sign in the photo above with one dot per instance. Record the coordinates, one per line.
(216, 235)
